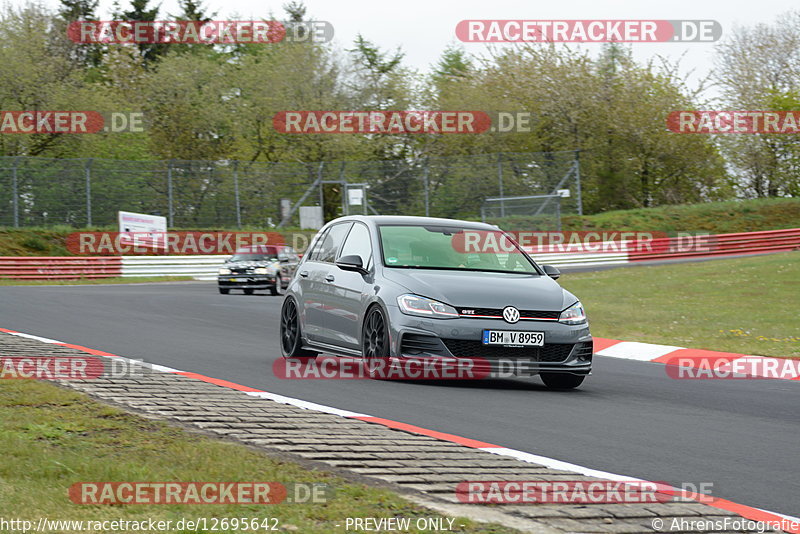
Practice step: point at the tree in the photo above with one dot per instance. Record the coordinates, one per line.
(759, 69)
(192, 10)
(296, 10)
(141, 12)
(86, 54)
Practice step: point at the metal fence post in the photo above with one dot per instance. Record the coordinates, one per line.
(425, 177)
(343, 180)
(578, 176)
(170, 220)
(88, 173)
(236, 194)
(15, 192)
(321, 190)
(500, 180)
(558, 215)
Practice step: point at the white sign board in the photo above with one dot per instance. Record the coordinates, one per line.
(355, 196)
(311, 217)
(143, 230)
(563, 193)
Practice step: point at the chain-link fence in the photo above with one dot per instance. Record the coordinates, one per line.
(229, 194)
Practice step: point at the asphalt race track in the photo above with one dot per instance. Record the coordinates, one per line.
(628, 418)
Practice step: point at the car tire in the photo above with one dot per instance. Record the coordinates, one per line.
(277, 289)
(224, 290)
(374, 341)
(291, 336)
(561, 380)
(249, 291)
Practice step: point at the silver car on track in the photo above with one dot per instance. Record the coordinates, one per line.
(422, 288)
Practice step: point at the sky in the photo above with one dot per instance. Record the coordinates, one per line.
(423, 28)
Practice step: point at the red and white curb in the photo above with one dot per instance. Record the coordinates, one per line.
(713, 364)
(748, 512)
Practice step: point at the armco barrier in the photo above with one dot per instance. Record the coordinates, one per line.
(716, 245)
(198, 267)
(575, 259)
(60, 267)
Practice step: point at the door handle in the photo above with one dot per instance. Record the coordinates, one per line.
(304, 274)
(330, 278)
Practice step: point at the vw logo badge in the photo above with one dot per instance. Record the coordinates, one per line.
(510, 314)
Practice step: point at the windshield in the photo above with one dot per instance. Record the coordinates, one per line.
(254, 257)
(452, 248)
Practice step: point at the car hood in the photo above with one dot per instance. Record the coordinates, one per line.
(483, 289)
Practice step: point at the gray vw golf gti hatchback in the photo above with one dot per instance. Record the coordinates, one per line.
(423, 288)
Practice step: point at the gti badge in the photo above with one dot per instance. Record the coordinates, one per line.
(510, 314)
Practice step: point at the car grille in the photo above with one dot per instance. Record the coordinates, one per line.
(418, 345)
(550, 352)
(241, 270)
(483, 313)
(584, 351)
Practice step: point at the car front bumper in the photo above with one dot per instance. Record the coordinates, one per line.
(567, 348)
(246, 281)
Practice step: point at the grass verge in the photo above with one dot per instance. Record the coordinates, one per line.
(52, 438)
(94, 281)
(713, 217)
(745, 305)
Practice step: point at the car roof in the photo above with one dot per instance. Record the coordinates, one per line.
(414, 221)
(259, 249)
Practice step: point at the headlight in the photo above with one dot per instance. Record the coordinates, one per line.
(424, 307)
(224, 270)
(573, 315)
(261, 270)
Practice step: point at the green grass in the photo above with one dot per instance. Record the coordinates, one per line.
(52, 438)
(712, 217)
(94, 281)
(745, 305)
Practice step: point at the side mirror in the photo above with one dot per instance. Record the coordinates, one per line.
(352, 262)
(551, 271)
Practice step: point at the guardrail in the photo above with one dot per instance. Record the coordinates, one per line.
(199, 267)
(204, 267)
(717, 245)
(60, 267)
(582, 259)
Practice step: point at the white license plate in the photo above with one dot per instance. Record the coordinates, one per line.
(508, 337)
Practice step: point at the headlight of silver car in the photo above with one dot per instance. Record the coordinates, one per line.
(224, 270)
(261, 270)
(573, 315)
(425, 307)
